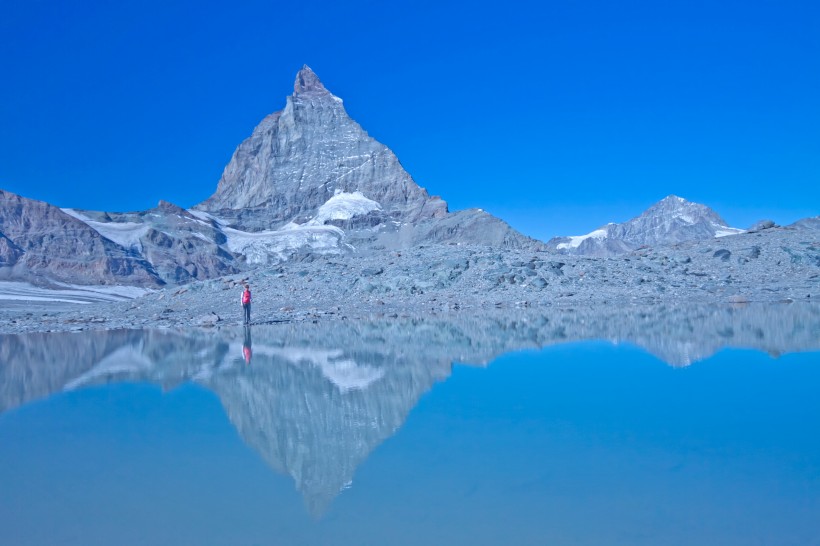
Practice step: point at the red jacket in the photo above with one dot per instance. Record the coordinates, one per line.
(246, 297)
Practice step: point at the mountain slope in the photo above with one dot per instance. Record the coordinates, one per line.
(41, 243)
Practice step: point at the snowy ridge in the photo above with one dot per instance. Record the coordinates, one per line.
(576, 240)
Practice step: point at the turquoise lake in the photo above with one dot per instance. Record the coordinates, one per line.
(282, 437)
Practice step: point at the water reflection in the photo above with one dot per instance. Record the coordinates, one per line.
(315, 399)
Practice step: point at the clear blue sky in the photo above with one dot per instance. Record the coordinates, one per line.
(557, 116)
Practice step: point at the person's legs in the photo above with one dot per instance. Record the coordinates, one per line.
(247, 307)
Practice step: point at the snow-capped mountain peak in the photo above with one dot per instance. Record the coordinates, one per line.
(671, 220)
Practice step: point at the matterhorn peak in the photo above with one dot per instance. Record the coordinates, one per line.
(307, 82)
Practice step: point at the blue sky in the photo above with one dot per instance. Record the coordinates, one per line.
(556, 116)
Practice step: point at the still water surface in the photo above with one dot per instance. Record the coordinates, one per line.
(409, 433)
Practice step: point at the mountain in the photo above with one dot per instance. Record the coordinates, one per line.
(308, 181)
(310, 166)
(298, 159)
(669, 221)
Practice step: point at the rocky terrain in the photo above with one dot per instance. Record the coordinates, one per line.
(323, 221)
(772, 265)
(314, 398)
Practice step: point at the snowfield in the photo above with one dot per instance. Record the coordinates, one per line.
(68, 293)
(125, 234)
(576, 240)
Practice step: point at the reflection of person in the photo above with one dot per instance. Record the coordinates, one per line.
(247, 352)
(246, 303)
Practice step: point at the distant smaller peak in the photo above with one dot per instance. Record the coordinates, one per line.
(307, 82)
(673, 199)
(167, 206)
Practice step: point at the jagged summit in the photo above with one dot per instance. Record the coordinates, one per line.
(297, 159)
(689, 212)
(311, 157)
(307, 82)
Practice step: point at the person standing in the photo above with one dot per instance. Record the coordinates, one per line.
(246, 303)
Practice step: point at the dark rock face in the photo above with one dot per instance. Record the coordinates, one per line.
(670, 221)
(41, 241)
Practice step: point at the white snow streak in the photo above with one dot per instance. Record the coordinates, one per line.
(23, 291)
(576, 240)
(126, 234)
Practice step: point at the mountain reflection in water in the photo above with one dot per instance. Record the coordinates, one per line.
(314, 400)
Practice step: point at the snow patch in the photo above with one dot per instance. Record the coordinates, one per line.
(576, 240)
(726, 231)
(344, 206)
(125, 234)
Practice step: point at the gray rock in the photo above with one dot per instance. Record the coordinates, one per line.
(40, 243)
(761, 225)
(807, 224)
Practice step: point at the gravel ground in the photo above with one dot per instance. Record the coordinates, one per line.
(769, 266)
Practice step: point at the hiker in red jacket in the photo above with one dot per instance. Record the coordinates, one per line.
(246, 303)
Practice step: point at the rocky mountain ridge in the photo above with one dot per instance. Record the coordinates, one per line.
(669, 221)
